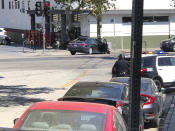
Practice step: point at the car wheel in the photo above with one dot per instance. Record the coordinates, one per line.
(73, 52)
(173, 48)
(4, 42)
(158, 84)
(108, 52)
(90, 51)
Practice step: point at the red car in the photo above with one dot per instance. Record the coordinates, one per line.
(71, 116)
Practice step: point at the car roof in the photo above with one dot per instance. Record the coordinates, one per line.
(69, 105)
(127, 78)
(97, 83)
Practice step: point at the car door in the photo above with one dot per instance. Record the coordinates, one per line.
(166, 68)
(94, 45)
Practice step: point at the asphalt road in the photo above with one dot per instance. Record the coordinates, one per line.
(71, 68)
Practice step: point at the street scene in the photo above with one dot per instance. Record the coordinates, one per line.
(87, 65)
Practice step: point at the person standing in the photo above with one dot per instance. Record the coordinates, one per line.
(121, 67)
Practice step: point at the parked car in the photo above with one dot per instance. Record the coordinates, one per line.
(87, 45)
(111, 93)
(168, 44)
(150, 95)
(71, 116)
(4, 39)
(159, 67)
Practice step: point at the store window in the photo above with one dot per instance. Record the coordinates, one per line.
(2, 4)
(18, 5)
(148, 19)
(9, 5)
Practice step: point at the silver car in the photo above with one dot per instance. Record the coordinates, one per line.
(150, 96)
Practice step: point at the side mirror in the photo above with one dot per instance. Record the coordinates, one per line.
(15, 120)
(163, 90)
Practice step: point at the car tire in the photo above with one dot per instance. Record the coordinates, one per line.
(173, 48)
(4, 42)
(73, 52)
(90, 51)
(108, 52)
(158, 84)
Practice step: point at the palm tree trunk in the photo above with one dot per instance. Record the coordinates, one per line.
(99, 26)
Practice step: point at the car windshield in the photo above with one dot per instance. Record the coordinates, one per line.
(145, 85)
(147, 61)
(110, 91)
(63, 120)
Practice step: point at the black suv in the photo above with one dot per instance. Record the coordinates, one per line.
(160, 68)
(168, 45)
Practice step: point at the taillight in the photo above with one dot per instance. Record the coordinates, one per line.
(149, 99)
(70, 44)
(119, 103)
(83, 44)
(143, 70)
(118, 107)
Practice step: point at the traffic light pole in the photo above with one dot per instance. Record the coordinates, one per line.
(135, 80)
(44, 29)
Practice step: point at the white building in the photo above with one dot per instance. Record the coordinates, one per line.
(159, 20)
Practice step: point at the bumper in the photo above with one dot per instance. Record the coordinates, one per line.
(79, 49)
(149, 114)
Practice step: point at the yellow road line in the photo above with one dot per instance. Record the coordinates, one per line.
(74, 81)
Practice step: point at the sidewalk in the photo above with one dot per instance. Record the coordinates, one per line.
(9, 51)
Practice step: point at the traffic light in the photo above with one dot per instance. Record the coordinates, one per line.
(46, 7)
(38, 8)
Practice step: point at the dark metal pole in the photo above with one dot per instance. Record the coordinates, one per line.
(136, 50)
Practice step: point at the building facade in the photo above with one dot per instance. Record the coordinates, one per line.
(158, 23)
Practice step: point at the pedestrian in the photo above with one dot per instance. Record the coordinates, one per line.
(121, 67)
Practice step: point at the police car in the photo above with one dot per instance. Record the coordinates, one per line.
(160, 67)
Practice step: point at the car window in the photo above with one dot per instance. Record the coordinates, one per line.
(58, 119)
(166, 61)
(82, 39)
(147, 61)
(91, 41)
(111, 91)
(146, 88)
(0, 30)
(119, 123)
(145, 85)
(172, 60)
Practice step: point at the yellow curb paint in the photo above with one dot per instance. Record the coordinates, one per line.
(74, 81)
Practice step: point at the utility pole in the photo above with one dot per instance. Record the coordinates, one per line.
(136, 50)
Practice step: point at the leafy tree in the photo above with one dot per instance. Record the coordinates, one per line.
(96, 8)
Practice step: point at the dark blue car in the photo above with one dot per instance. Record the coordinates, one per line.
(87, 45)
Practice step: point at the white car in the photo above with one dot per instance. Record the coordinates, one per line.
(4, 39)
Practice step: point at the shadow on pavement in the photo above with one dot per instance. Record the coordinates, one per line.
(15, 95)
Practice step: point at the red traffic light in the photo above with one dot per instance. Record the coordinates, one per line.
(47, 4)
